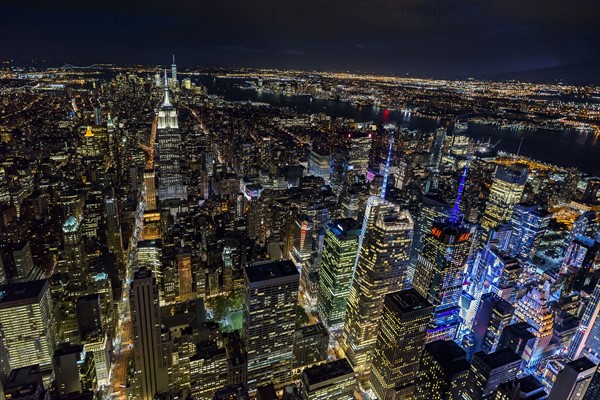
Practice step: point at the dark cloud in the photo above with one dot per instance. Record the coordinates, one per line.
(422, 37)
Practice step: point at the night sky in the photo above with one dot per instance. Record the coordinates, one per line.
(452, 39)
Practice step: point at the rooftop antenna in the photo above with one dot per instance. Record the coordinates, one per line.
(386, 172)
(166, 102)
(454, 216)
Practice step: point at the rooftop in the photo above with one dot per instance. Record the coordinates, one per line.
(270, 270)
(266, 392)
(324, 372)
(581, 364)
(347, 227)
(408, 300)
(498, 359)
(312, 330)
(521, 329)
(26, 376)
(28, 292)
(70, 225)
(449, 355)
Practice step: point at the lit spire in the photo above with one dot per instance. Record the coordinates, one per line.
(173, 59)
(88, 132)
(166, 103)
(386, 171)
(455, 212)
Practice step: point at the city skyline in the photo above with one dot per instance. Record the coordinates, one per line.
(170, 231)
(537, 41)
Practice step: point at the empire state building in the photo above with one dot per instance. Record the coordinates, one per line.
(167, 115)
(170, 179)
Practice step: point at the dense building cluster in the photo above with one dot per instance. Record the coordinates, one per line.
(161, 242)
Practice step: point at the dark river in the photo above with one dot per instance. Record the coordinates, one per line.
(568, 148)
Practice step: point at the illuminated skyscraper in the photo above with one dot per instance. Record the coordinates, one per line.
(432, 209)
(75, 264)
(573, 381)
(113, 228)
(337, 265)
(381, 268)
(399, 344)
(443, 371)
(208, 370)
(582, 253)
(174, 71)
(302, 249)
(27, 326)
(184, 272)
(437, 151)
(319, 164)
(488, 371)
(495, 272)
(534, 309)
(170, 180)
(150, 189)
(507, 188)
(439, 271)
(90, 147)
(359, 147)
(269, 321)
(150, 376)
(438, 276)
(587, 224)
(333, 380)
(493, 315)
(529, 224)
(587, 327)
(593, 390)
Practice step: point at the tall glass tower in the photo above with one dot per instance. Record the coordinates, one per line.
(381, 268)
(337, 264)
(439, 272)
(507, 188)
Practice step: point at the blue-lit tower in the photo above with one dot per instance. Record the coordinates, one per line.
(439, 271)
